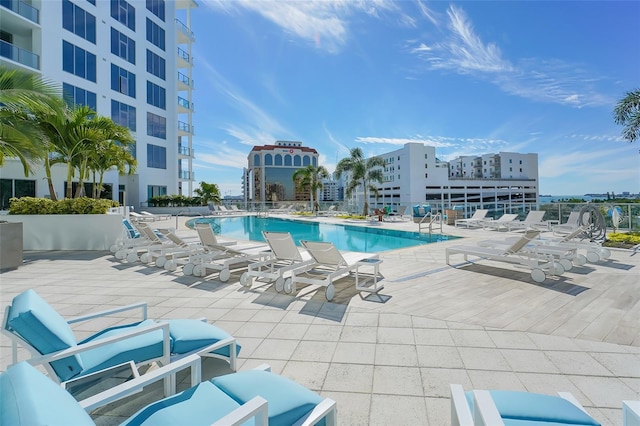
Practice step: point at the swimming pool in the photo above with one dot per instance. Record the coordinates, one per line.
(344, 237)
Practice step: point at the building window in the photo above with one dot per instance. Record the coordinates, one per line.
(510, 161)
(426, 175)
(156, 156)
(426, 156)
(314, 161)
(124, 13)
(156, 7)
(156, 95)
(78, 96)
(93, 2)
(520, 169)
(123, 81)
(10, 188)
(124, 115)
(156, 65)
(306, 160)
(278, 160)
(156, 191)
(78, 61)
(268, 160)
(156, 126)
(78, 21)
(287, 160)
(510, 169)
(520, 161)
(256, 159)
(296, 161)
(155, 34)
(123, 46)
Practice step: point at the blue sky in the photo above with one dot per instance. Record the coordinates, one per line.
(469, 78)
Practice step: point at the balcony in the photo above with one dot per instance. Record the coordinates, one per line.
(185, 35)
(23, 9)
(22, 56)
(184, 59)
(184, 129)
(184, 151)
(184, 82)
(185, 175)
(184, 106)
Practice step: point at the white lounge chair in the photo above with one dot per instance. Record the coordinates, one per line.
(539, 264)
(159, 250)
(593, 251)
(141, 217)
(573, 222)
(534, 220)
(329, 265)
(155, 216)
(501, 223)
(497, 408)
(475, 220)
(285, 257)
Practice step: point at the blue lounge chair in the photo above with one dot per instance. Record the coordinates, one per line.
(32, 323)
(30, 398)
(496, 408)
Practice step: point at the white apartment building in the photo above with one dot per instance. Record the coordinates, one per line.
(127, 59)
(414, 175)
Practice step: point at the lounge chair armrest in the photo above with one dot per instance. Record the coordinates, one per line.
(263, 367)
(630, 413)
(141, 305)
(54, 356)
(572, 399)
(326, 409)
(254, 408)
(485, 412)
(132, 386)
(460, 411)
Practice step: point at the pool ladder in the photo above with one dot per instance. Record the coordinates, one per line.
(429, 220)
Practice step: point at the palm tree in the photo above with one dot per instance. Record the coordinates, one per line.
(363, 172)
(627, 113)
(21, 95)
(310, 177)
(208, 192)
(109, 154)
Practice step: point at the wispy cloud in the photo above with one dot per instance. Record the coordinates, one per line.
(401, 141)
(222, 155)
(450, 145)
(322, 23)
(591, 165)
(540, 79)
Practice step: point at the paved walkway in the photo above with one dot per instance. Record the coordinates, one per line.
(386, 360)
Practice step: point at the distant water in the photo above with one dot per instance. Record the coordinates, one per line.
(556, 198)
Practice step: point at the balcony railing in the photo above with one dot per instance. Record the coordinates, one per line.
(9, 51)
(185, 103)
(185, 80)
(184, 55)
(184, 29)
(23, 9)
(184, 150)
(183, 174)
(183, 126)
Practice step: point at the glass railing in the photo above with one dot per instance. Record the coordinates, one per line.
(185, 103)
(184, 55)
(23, 9)
(183, 174)
(184, 79)
(184, 29)
(9, 51)
(184, 150)
(183, 126)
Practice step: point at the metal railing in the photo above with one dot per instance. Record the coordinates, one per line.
(185, 55)
(185, 103)
(184, 29)
(430, 219)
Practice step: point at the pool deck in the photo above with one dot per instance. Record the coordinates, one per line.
(386, 360)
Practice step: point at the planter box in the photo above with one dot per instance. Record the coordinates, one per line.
(10, 245)
(69, 232)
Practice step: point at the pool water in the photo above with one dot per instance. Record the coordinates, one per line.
(344, 237)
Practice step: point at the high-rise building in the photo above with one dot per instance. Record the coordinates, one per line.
(129, 60)
(269, 176)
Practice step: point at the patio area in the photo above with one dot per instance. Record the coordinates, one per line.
(388, 359)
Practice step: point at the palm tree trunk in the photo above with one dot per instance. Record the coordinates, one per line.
(47, 169)
(69, 192)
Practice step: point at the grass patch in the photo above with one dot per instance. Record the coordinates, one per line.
(622, 240)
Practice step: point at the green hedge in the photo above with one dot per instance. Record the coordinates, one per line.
(174, 201)
(82, 205)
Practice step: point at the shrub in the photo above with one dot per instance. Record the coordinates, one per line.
(82, 205)
(632, 238)
(174, 201)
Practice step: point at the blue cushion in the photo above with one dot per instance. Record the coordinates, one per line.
(130, 229)
(201, 405)
(138, 349)
(523, 407)
(288, 401)
(31, 317)
(188, 335)
(30, 398)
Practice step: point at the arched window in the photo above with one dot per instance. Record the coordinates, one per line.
(287, 160)
(306, 160)
(278, 160)
(256, 159)
(314, 160)
(296, 160)
(268, 160)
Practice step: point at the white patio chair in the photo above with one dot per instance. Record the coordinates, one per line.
(475, 220)
(501, 223)
(534, 220)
